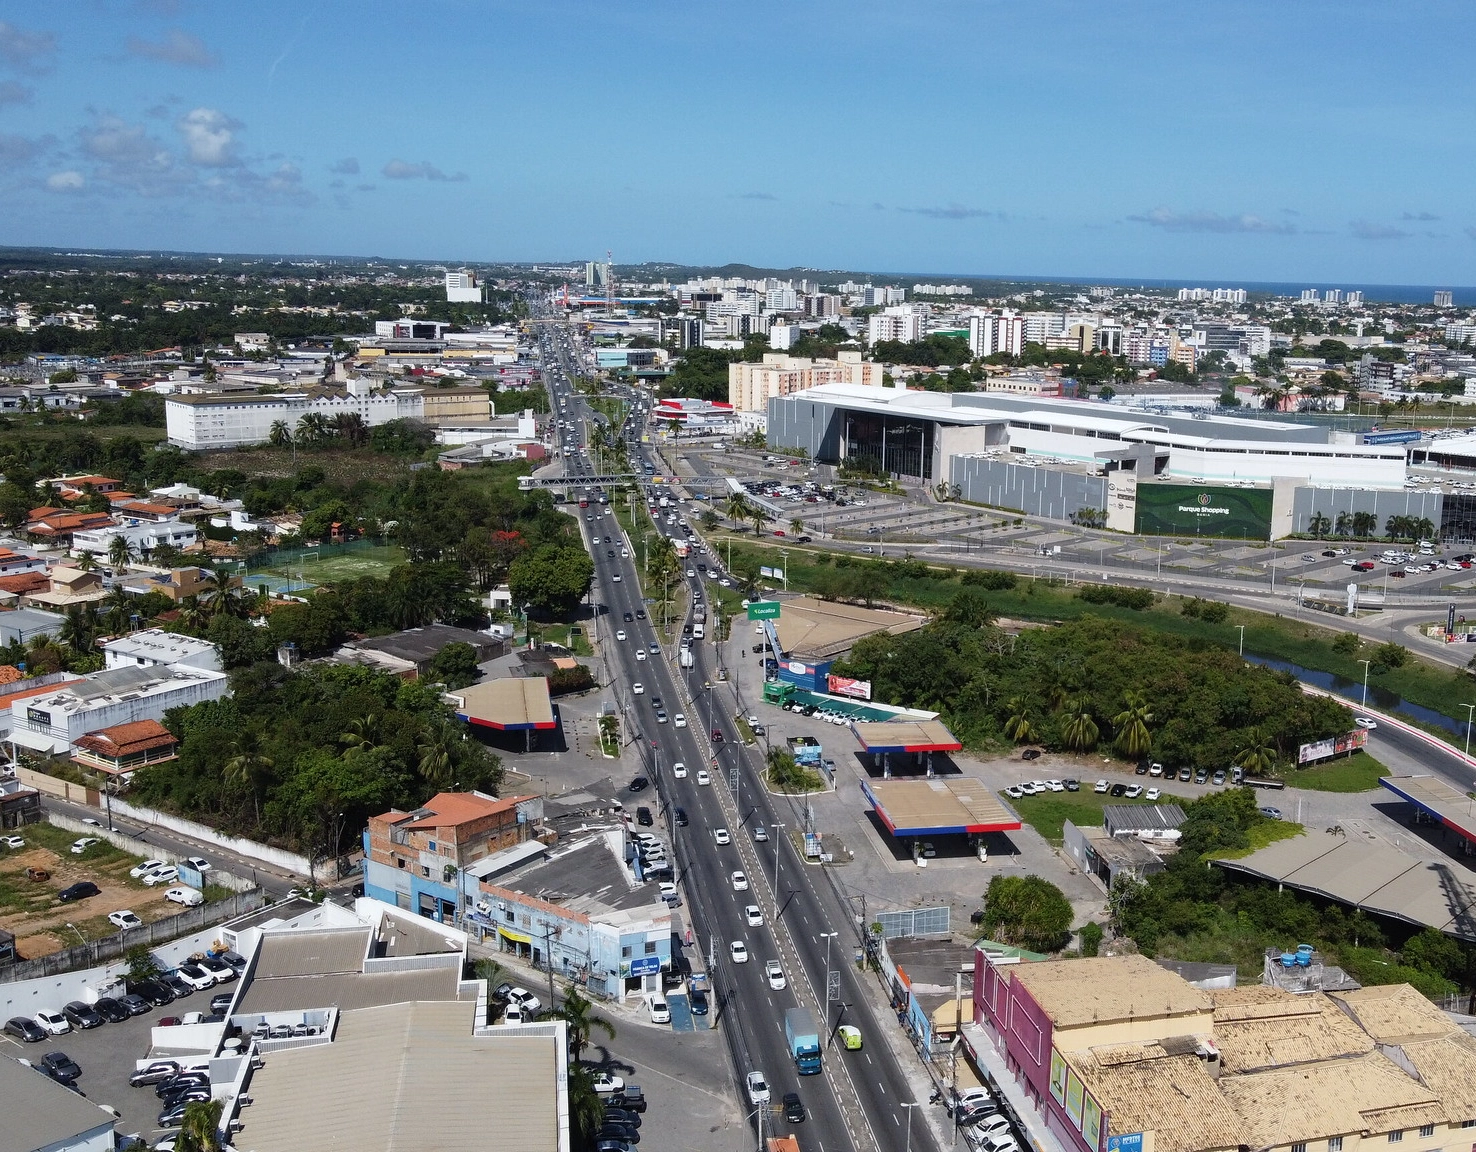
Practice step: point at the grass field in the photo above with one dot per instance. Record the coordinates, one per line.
(1047, 811)
(334, 566)
(1357, 773)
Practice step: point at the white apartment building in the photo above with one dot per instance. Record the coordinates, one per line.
(872, 296)
(990, 334)
(54, 722)
(154, 648)
(899, 322)
(1460, 333)
(461, 288)
(1040, 326)
(781, 300)
(214, 421)
(752, 386)
(142, 536)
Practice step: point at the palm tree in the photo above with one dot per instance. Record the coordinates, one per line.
(220, 597)
(1258, 757)
(435, 757)
(78, 629)
(1344, 524)
(760, 517)
(796, 527)
(577, 1013)
(1019, 727)
(1080, 730)
(85, 562)
(120, 552)
(1319, 525)
(1133, 737)
(248, 765)
(737, 507)
(281, 435)
(363, 734)
(312, 428)
(192, 614)
(586, 1109)
(351, 428)
(200, 1131)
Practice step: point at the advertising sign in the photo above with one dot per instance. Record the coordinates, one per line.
(1075, 1090)
(763, 610)
(1337, 746)
(645, 965)
(1127, 1142)
(1405, 436)
(1058, 1077)
(798, 667)
(1091, 1123)
(845, 686)
(1197, 510)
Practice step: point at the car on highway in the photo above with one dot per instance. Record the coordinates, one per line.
(620, 635)
(681, 817)
(760, 834)
(640, 653)
(679, 720)
(721, 836)
(794, 1109)
(754, 915)
(737, 952)
(1365, 722)
(850, 1037)
(774, 974)
(616, 578)
(740, 882)
(758, 1088)
(637, 689)
(703, 777)
(679, 770)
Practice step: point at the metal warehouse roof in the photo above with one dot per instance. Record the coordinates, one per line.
(938, 806)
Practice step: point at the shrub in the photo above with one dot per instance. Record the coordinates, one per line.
(1135, 598)
(566, 680)
(990, 580)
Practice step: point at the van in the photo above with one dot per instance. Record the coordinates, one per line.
(658, 1008)
(698, 631)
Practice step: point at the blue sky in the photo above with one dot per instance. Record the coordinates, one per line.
(1237, 141)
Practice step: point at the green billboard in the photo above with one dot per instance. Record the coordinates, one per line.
(763, 610)
(1203, 510)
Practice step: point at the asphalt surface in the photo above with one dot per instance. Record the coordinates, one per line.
(855, 1101)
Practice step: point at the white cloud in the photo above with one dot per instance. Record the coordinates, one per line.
(1171, 221)
(68, 181)
(177, 47)
(398, 169)
(950, 212)
(25, 51)
(348, 166)
(209, 138)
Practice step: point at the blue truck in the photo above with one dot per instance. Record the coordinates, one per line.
(803, 1040)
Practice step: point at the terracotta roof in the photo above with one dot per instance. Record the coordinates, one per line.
(1106, 988)
(1305, 1102)
(23, 582)
(127, 739)
(9, 674)
(448, 809)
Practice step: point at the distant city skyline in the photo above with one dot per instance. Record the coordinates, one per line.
(1312, 144)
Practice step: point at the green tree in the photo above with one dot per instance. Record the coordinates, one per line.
(120, 552)
(435, 762)
(1026, 911)
(586, 1109)
(1091, 938)
(579, 1017)
(141, 964)
(1019, 727)
(1133, 737)
(738, 507)
(280, 435)
(455, 665)
(1079, 731)
(1258, 755)
(551, 578)
(249, 766)
(970, 608)
(200, 1131)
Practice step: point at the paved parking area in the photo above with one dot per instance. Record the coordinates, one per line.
(107, 1056)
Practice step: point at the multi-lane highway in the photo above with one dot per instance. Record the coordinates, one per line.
(857, 1100)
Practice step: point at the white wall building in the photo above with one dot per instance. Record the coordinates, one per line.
(990, 334)
(142, 536)
(211, 421)
(461, 288)
(54, 722)
(899, 322)
(153, 648)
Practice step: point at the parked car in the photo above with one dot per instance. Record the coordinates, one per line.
(81, 846)
(124, 919)
(165, 875)
(24, 1029)
(78, 891)
(529, 1003)
(60, 1067)
(82, 1016)
(154, 1073)
(189, 897)
(54, 1023)
(178, 986)
(139, 871)
(154, 993)
(604, 1083)
(198, 863)
(195, 976)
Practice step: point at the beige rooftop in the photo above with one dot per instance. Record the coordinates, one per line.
(819, 629)
(1143, 1089)
(1285, 1030)
(1105, 989)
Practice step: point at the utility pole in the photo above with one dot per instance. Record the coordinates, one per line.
(825, 1005)
(779, 829)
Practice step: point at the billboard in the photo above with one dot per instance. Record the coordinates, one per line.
(1405, 436)
(1200, 510)
(1337, 746)
(763, 610)
(845, 686)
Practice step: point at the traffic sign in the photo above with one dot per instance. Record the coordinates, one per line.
(763, 610)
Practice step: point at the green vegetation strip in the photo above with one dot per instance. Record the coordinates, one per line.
(1046, 812)
(1357, 773)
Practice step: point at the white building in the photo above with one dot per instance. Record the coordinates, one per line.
(153, 648)
(54, 722)
(899, 322)
(461, 288)
(990, 334)
(781, 300)
(211, 421)
(142, 536)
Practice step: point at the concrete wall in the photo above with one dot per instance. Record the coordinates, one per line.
(799, 423)
(51, 786)
(277, 857)
(1382, 503)
(149, 851)
(1034, 491)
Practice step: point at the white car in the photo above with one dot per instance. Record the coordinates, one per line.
(53, 1023)
(1055, 785)
(760, 834)
(189, 897)
(616, 577)
(1100, 786)
(679, 770)
(737, 952)
(165, 875)
(529, 1003)
(740, 882)
(1365, 722)
(1154, 793)
(667, 888)
(659, 1009)
(620, 635)
(721, 836)
(142, 870)
(640, 653)
(679, 720)
(758, 1089)
(691, 574)
(81, 846)
(604, 1083)
(637, 689)
(703, 777)
(198, 863)
(124, 919)
(754, 915)
(775, 975)
(13, 841)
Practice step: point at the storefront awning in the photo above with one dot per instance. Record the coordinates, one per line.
(515, 937)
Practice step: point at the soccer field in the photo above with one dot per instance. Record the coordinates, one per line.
(328, 566)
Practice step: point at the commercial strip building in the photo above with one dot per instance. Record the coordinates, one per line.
(1118, 1052)
(216, 420)
(1172, 473)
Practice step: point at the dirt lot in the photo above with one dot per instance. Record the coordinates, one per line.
(30, 909)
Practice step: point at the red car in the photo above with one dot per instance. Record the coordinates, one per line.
(778, 531)
(717, 736)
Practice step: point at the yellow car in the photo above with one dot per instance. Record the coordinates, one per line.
(850, 1038)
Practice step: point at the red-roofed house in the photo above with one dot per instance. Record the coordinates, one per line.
(415, 859)
(56, 525)
(124, 748)
(13, 588)
(74, 486)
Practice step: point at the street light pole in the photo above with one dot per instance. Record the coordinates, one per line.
(1470, 712)
(1242, 638)
(825, 996)
(779, 829)
(1365, 664)
(909, 1108)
